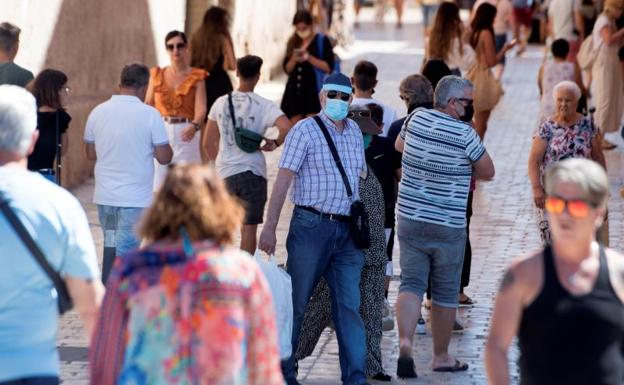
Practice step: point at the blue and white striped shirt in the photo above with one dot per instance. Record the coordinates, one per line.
(437, 167)
(318, 182)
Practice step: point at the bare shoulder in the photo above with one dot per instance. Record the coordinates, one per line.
(524, 276)
(615, 260)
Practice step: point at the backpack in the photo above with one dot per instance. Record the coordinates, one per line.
(320, 75)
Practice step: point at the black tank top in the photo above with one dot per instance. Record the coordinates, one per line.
(572, 339)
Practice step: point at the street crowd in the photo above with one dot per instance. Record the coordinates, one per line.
(180, 169)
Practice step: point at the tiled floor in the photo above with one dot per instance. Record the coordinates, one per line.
(502, 225)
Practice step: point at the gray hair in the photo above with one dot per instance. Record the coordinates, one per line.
(416, 90)
(450, 87)
(9, 36)
(586, 174)
(18, 119)
(569, 86)
(134, 76)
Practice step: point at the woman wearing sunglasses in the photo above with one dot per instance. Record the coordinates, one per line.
(564, 303)
(566, 134)
(178, 92)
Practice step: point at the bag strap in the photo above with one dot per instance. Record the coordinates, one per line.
(18, 226)
(334, 152)
(232, 110)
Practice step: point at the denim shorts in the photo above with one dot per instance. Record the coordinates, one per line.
(430, 250)
(499, 41)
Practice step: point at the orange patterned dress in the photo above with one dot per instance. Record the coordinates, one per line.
(178, 102)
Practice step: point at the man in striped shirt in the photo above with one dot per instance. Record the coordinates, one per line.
(441, 153)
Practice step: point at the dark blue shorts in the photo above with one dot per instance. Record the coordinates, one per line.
(499, 42)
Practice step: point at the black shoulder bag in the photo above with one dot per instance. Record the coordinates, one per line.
(63, 299)
(359, 217)
(247, 140)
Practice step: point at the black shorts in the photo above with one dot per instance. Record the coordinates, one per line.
(251, 190)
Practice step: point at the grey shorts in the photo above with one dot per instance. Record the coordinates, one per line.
(432, 250)
(251, 190)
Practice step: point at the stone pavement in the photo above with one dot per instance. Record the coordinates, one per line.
(502, 226)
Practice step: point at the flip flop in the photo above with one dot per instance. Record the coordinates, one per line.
(458, 367)
(466, 302)
(405, 368)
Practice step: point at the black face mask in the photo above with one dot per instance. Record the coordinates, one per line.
(468, 114)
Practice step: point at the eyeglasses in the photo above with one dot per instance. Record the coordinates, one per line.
(362, 114)
(577, 208)
(466, 101)
(334, 94)
(179, 46)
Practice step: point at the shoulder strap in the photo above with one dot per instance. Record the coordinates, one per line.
(36, 252)
(232, 110)
(334, 152)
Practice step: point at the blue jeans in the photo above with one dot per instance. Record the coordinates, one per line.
(33, 381)
(322, 247)
(118, 225)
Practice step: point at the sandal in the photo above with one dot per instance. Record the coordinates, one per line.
(466, 302)
(405, 368)
(457, 367)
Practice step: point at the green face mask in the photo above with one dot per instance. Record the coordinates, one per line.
(368, 138)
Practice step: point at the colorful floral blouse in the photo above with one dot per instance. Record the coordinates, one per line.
(171, 319)
(567, 142)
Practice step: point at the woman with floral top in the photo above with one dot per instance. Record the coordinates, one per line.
(566, 134)
(188, 308)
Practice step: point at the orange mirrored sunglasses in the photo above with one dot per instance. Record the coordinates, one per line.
(576, 208)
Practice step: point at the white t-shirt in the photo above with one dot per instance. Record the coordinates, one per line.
(125, 131)
(252, 112)
(389, 115)
(561, 14)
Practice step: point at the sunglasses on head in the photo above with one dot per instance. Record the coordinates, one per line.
(179, 46)
(334, 94)
(362, 114)
(577, 208)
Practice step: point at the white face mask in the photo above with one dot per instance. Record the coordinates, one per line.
(304, 34)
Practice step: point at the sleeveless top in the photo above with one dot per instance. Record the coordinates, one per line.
(572, 339)
(178, 102)
(554, 73)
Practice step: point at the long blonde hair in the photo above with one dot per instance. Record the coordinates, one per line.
(192, 197)
(209, 39)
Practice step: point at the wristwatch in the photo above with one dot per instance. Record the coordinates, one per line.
(197, 126)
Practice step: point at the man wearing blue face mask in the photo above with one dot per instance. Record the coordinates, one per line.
(320, 240)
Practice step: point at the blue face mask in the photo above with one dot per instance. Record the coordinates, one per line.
(336, 109)
(368, 138)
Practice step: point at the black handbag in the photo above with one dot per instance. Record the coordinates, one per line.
(360, 230)
(64, 301)
(247, 140)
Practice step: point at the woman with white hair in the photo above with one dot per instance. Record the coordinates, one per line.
(566, 134)
(565, 302)
(607, 76)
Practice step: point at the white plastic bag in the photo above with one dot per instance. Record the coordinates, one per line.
(281, 288)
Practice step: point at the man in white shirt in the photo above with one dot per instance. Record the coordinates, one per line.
(364, 80)
(244, 168)
(565, 20)
(123, 135)
(58, 226)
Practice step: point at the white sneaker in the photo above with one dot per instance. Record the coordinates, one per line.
(421, 327)
(388, 318)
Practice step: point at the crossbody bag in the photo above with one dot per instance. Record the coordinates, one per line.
(247, 140)
(64, 301)
(359, 217)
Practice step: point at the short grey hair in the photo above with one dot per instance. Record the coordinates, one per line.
(134, 76)
(569, 86)
(450, 87)
(9, 36)
(18, 119)
(416, 90)
(586, 174)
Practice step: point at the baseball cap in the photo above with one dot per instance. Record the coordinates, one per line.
(361, 115)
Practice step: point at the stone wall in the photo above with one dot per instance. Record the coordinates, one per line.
(91, 40)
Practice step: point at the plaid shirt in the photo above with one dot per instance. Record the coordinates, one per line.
(318, 183)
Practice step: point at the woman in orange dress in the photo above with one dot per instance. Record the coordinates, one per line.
(178, 91)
